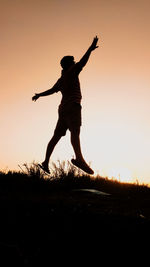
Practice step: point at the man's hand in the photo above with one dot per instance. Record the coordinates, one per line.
(35, 97)
(94, 44)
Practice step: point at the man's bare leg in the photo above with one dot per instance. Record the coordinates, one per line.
(50, 147)
(79, 161)
(75, 141)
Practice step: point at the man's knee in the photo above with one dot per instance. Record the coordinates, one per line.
(59, 133)
(75, 131)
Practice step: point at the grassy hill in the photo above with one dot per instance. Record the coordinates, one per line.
(45, 218)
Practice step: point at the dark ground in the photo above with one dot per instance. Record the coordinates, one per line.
(44, 222)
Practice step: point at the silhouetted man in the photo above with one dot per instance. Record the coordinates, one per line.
(69, 109)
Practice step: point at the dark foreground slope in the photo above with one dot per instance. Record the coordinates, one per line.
(44, 221)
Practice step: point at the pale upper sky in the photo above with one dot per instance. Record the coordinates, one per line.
(35, 35)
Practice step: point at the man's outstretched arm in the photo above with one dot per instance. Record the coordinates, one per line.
(45, 93)
(86, 56)
(51, 91)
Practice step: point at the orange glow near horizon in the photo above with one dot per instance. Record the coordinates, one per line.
(121, 174)
(115, 84)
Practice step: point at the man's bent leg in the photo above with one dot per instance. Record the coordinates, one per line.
(50, 147)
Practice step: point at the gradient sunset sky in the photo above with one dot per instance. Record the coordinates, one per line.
(35, 35)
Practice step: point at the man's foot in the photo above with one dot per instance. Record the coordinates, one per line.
(82, 165)
(44, 168)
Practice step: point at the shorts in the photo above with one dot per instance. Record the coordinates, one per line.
(69, 118)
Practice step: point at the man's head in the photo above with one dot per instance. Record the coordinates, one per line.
(66, 62)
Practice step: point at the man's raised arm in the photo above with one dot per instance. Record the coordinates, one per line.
(86, 56)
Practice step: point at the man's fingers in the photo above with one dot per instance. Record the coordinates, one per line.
(34, 98)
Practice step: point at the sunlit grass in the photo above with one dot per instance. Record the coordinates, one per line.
(65, 176)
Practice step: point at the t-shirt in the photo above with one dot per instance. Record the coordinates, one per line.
(69, 85)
